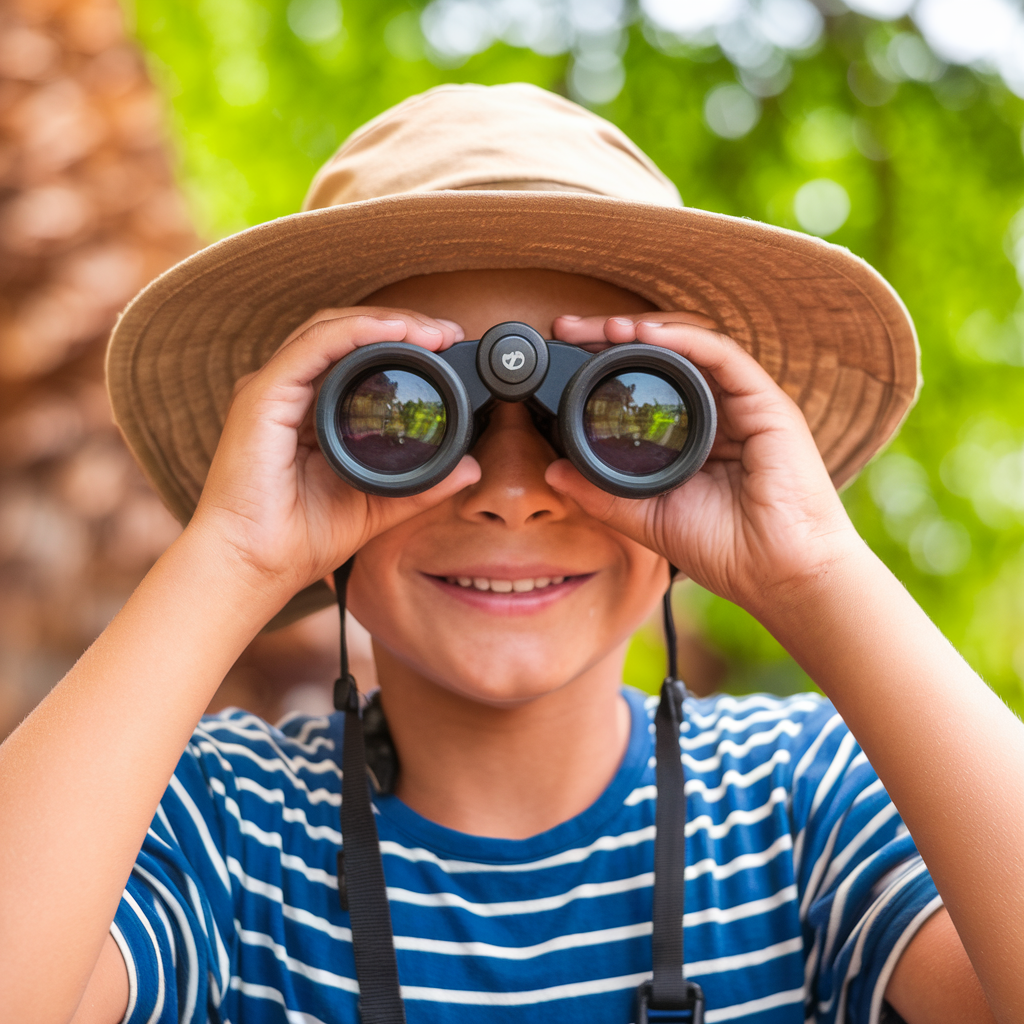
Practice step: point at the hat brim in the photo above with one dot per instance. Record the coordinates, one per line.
(827, 326)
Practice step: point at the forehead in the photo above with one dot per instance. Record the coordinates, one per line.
(478, 299)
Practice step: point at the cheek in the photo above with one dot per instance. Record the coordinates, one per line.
(376, 594)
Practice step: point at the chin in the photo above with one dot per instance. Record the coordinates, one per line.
(501, 678)
(509, 693)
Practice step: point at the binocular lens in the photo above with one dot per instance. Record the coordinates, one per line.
(392, 421)
(636, 423)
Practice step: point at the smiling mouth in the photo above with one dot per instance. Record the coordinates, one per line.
(507, 586)
(499, 586)
(504, 595)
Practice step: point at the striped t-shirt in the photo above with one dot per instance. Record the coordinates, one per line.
(803, 886)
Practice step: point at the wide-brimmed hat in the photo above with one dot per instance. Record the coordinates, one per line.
(471, 177)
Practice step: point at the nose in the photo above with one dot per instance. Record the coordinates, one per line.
(513, 456)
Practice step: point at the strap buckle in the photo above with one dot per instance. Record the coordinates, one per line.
(689, 1010)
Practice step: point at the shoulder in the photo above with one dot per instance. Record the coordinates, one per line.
(757, 722)
(244, 788)
(235, 744)
(759, 736)
(725, 711)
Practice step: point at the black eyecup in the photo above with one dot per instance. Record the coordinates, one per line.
(393, 355)
(502, 389)
(635, 356)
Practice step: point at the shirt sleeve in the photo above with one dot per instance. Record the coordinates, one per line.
(174, 925)
(864, 890)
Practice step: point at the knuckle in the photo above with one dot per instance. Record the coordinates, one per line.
(242, 382)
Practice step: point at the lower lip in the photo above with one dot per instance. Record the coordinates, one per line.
(511, 604)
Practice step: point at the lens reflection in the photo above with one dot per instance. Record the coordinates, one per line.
(636, 423)
(392, 421)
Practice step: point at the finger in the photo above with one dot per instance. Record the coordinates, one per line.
(731, 367)
(585, 331)
(449, 331)
(578, 330)
(286, 379)
(326, 341)
(388, 512)
(725, 448)
(241, 382)
(282, 390)
(289, 374)
(619, 328)
(458, 334)
(628, 516)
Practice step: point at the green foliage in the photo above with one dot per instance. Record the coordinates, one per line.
(262, 91)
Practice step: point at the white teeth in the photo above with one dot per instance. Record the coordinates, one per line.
(523, 586)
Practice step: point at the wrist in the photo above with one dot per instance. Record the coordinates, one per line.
(812, 590)
(211, 567)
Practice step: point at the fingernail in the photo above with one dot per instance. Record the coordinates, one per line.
(652, 323)
(569, 316)
(393, 323)
(456, 329)
(625, 321)
(430, 330)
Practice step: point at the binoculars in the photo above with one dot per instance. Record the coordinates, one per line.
(394, 419)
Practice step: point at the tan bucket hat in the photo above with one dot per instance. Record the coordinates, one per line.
(510, 176)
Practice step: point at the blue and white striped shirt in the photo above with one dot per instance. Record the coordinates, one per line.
(803, 886)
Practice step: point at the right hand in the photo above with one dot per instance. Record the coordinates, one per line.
(761, 521)
(270, 495)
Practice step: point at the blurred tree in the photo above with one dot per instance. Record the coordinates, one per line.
(812, 117)
(88, 213)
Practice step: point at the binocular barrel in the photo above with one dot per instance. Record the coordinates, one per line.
(394, 419)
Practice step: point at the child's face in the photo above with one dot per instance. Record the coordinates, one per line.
(492, 646)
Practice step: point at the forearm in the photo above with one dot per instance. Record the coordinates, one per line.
(948, 751)
(81, 778)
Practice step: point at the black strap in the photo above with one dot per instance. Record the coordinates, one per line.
(341, 684)
(669, 851)
(668, 996)
(669, 621)
(361, 885)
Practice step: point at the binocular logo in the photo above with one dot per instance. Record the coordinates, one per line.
(513, 360)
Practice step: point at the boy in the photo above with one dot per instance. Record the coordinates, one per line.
(518, 845)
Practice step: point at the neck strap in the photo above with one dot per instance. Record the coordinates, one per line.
(361, 885)
(666, 999)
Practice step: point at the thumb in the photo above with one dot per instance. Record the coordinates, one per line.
(388, 512)
(630, 516)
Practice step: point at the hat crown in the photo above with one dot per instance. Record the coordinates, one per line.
(514, 136)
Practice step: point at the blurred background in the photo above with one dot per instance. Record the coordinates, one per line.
(132, 134)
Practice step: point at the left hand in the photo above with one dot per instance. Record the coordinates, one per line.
(762, 514)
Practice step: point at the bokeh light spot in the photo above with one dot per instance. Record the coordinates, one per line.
(821, 206)
(314, 21)
(730, 111)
